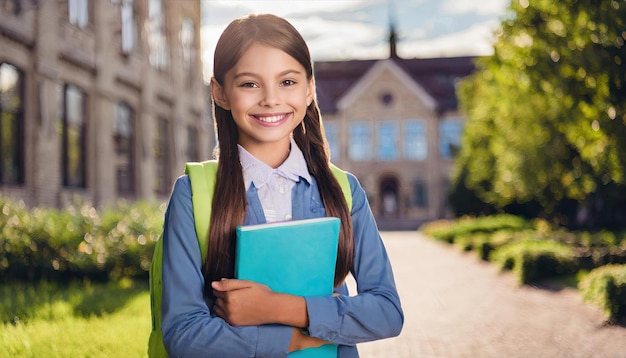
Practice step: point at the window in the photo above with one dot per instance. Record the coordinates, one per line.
(415, 144)
(161, 156)
(124, 139)
(78, 12)
(11, 125)
(188, 43)
(192, 145)
(157, 39)
(73, 134)
(420, 194)
(360, 141)
(387, 135)
(331, 130)
(450, 133)
(13, 7)
(128, 26)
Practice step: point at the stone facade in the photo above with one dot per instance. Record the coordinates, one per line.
(110, 98)
(394, 123)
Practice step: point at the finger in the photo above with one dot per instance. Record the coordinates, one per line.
(220, 312)
(226, 284)
(218, 294)
(219, 303)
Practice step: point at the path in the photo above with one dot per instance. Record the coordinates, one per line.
(457, 306)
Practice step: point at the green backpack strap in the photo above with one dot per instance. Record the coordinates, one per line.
(202, 176)
(342, 178)
(156, 349)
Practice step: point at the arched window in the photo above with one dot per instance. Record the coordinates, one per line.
(124, 139)
(129, 30)
(78, 12)
(157, 36)
(192, 154)
(188, 44)
(74, 133)
(161, 156)
(11, 125)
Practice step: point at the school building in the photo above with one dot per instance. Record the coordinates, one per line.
(99, 99)
(396, 125)
(105, 99)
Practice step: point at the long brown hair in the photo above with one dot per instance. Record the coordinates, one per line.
(229, 201)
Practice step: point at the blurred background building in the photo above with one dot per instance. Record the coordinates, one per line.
(395, 124)
(103, 99)
(106, 99)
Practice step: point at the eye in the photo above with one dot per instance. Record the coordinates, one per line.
(248, 85)
(287, 83)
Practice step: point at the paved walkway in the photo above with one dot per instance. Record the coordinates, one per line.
(456, 306)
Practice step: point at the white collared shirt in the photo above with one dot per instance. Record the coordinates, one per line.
(274, 186)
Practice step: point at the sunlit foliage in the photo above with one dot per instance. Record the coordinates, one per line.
(547, 111)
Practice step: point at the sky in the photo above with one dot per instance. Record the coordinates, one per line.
(359, 29)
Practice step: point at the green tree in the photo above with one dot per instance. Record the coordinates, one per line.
(547, 111)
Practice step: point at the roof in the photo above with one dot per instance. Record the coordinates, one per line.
(438, 76)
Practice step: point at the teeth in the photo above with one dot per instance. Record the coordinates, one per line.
(271, 119)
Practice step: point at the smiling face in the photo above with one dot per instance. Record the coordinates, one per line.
(267, 92)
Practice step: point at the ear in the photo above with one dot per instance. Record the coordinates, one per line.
(218, 95)
(310, 92)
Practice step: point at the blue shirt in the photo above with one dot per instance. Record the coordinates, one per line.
(191, 329)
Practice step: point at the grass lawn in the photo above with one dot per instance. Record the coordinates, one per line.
(77, 320)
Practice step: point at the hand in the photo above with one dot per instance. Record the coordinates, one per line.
(301, 341)
(243, 303)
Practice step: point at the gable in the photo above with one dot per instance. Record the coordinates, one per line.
(372, 77)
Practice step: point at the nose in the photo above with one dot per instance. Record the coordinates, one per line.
(270, 97)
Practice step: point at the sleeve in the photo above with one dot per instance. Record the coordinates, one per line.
(189, 328)
(375, 312)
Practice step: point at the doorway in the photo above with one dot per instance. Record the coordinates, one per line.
(389, 196)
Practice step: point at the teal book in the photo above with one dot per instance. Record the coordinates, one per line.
(297, 257)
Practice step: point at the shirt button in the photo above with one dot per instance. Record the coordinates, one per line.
(288, 217)
(281, 189)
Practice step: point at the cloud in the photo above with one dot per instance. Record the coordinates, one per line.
(477, 40)
(483, 7)
(282, 7)
(339, 39)
(359, 29)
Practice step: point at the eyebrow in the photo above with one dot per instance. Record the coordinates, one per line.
(250, 74)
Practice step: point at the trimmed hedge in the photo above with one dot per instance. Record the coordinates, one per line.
(605, 287)
(448, 231)
(536, 250)
(532, 260)
(78, 242)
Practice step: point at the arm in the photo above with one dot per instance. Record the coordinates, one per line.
(189, 328)
(246, 303)
(375, 312)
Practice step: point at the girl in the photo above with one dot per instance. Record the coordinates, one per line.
(273, 166)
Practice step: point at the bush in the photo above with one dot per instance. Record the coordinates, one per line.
(485, 245)
(448, 231)
(78, 242)
(605, 287)
(532, 260)
(600, 248)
